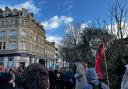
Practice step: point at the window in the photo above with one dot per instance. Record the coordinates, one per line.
(6, 14)
(22, 45)
(31, 47)
(1, 61)
(10, 61)
(37, 39)
(22, 22)
(23, 33)
(16, 22)
(12, 22)
(10, 58)
(6, 23)
(30, 34)
(2, 23)
(12, 45)
(0, 45)
(2, 34)
(4, 45)
(34, 38)
(35, 60)
(12, 33)
(30, 60)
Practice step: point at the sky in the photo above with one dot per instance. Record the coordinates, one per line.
(55, 15)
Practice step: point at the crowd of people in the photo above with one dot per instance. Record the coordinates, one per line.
(37, 76)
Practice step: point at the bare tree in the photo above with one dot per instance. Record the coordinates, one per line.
(71, 41)
(116, 49)
(119, 14)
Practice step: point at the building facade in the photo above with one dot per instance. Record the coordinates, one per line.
(50, 54)
(22, 38)
(60, 61)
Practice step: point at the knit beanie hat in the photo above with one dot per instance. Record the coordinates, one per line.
(91, 74)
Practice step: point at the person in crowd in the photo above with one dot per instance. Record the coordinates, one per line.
(85, 64)
(58, 79)
(73, 67)
(93, 82)
(12, 81)
(5, 81)
(18, 78)
(124, 83)
(69, 79)
(35, 76)
(80, 76)
(51, 78)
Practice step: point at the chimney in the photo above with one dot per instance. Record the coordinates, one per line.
(24, 12)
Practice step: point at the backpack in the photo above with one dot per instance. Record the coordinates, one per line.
(96, 86)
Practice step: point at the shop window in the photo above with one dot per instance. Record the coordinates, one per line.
(35, 60)
(30, 60)
(10, 58)
(10, 61)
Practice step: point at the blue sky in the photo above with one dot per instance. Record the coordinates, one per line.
(56, 14)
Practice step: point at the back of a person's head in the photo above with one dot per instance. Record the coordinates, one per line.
(5, 77)
(35, 76)
(91, 74)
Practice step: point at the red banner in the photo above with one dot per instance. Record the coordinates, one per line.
(98, 62)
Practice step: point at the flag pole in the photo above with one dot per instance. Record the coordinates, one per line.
(106, 66)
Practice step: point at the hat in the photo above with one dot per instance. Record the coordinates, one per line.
(91, 74)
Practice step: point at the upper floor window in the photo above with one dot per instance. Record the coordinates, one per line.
(5, 14)
(16, 22)
(2, 45)
(22, 45)
(2, 34)
(2, 23)
(23, 33)
(12, 45)
(12, 33)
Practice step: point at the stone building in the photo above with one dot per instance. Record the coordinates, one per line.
(22, 38)
(50, 54)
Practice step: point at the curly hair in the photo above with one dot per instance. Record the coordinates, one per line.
(35, 76)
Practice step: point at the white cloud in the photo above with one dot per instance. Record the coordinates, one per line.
(86, 24)
(55, 21)
(27, 5)
(113, 30)
(56, 39)
(83, 25)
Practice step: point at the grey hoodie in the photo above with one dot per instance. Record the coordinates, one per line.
(92, 77)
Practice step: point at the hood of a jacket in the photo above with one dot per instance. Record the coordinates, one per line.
(91, 74)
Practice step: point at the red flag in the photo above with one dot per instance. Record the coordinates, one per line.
(98, 62)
